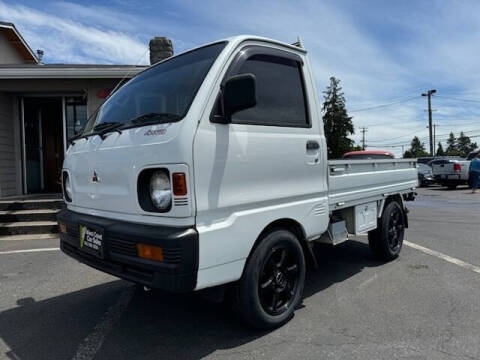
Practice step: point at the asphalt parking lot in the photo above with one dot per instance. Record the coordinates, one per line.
(424, 305)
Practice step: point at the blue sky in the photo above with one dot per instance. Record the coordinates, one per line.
(384, 52)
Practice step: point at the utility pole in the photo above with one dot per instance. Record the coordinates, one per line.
(429, 95)
(435, 138)
(363, 130)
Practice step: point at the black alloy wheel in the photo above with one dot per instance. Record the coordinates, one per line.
(272, 283)
(278, 280)
(387, 239)
(396, 228)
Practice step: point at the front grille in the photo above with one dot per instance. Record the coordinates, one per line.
(72, 231)
(171, 255)
(123, 247)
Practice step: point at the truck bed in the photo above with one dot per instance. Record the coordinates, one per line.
(353, 182)
(445, 172)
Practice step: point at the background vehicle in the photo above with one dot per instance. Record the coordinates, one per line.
(368, 155)
(427, 159)
(450, 173)
(210, 169)
(472, 155)
(425, 175)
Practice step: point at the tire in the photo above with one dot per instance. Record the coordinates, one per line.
(272, 282)
(451, 186)
(386, 241)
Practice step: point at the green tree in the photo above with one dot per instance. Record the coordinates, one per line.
(451, 145)
(337, 124)
(465, 145)
(417, 149)
(440, 151)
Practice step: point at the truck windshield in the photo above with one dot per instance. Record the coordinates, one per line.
(160, 94)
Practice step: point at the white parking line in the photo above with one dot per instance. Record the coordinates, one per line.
(92, 343)
(27, 251)
(443, 256)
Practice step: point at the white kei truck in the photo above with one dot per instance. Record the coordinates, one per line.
(210, 168)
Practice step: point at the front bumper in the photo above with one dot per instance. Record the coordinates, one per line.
(177, 272)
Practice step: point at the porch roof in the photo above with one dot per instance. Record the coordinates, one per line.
(68, 71)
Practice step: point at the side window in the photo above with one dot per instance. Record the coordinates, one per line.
(280, 93)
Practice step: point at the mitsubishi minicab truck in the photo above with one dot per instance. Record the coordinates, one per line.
(210, 168)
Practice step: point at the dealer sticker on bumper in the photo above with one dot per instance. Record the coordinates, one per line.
(91, 240)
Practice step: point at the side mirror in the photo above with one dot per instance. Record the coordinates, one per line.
(238, 94)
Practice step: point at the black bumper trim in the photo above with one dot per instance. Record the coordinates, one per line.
(178, 272)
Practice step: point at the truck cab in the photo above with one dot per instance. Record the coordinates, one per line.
(210, 168)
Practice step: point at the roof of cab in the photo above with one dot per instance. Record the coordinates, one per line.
(242, 38)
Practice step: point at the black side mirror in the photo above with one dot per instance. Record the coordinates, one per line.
(238, 94)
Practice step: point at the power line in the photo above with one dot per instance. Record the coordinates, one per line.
(384, 105)
(438, 137)
(457, 99)
(398, 137)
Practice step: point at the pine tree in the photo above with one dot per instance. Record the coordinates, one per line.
(337, 124)
(440, 151)
(417, 149)
(452, 145)
(465, 145)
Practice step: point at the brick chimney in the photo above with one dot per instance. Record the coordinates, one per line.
(160, 48)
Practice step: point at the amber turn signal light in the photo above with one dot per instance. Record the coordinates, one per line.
(150, 252)
(179, 184)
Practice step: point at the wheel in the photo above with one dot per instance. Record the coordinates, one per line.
(386, 241)
(451, 186)
(272, 282)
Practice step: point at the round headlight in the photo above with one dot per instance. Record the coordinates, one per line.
(160, 190)
(67, 186)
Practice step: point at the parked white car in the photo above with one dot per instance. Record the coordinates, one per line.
(210, 169)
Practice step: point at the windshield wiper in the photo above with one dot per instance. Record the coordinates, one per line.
(150, 119)
(100, 130)
(104, 130)
(104, 125)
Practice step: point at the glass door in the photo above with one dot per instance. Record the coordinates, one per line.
(33, 147)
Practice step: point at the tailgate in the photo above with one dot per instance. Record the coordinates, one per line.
(351, 181)
(442, 169)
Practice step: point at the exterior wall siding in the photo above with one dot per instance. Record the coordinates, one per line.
(8, 171)
(8, 54)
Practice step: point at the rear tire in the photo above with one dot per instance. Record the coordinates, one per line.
(272, 282)
(386, 241)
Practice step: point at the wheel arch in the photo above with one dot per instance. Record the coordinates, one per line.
(297, 229)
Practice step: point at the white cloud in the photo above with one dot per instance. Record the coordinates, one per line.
(72, 41)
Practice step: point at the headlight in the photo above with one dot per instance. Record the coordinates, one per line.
(160, 190)
(67, 187)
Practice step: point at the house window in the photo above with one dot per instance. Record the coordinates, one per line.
(76, 115)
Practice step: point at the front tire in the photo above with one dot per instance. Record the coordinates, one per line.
(273, 280)
(386, 241)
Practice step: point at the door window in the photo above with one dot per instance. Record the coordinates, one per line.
(76, 115)
(280, 92)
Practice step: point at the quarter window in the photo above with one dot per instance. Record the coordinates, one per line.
(280, 93)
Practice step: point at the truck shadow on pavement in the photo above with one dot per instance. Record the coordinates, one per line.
(154, 324)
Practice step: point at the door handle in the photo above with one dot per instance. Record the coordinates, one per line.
(313, 145)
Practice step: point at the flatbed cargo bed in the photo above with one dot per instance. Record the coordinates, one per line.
(357, 181)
